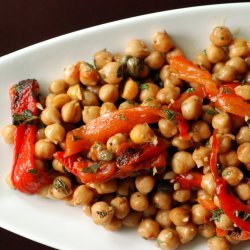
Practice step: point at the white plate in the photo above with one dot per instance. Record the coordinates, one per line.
(52, 222)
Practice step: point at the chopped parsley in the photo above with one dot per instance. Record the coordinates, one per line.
(122, 117)
(210, 112)
(32, 171)
(159, 242)
(144, 86)
(61, 186)
(170, 114)
(75, 138)
(90, 65)
(102, 213)
(216, 215)
(91, 169)
(190, 90)
(24, 117)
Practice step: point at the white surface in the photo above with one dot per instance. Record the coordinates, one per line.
(52, 222)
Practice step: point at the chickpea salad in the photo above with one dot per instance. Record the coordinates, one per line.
(144, 139)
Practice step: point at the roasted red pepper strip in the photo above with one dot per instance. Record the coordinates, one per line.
(130, 153)
(207, 203)
(195, 91)
(229, 203)
(221, 232)
(228, 102)
(120, 121)
(189, 180)
(26, 177)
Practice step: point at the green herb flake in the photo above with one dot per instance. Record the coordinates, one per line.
(102, 213)
(242, 215)
(248, 122)
(90, 65)
(216, 215)
(159, 242)
(32, 171)
(61, 186)
(144, 86)
(190, 90)
(24, 117)
(122, 117)
(91, 169)
(75, 138)
(119, 72)
(170, 114)
(210, 112)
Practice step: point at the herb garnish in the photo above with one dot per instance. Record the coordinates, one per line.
(75, 138)
(190, 90)
(24, 117)
(91, 169)
(170, 114)
(102, 213)
(216, 214)
(122, 117)
(210, 112)
(32, 171)
(144, 86)
(60, 186)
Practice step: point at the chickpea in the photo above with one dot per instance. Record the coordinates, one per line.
(168, 94)
(154, 60)
(71, 75)
(162, 217)
(201, 131)
(191, 108)
(187, 232)
(130, 90)
(151, 102)
(90, 113)
(218, 66)
(139, 202)
(215, 54)
(109, 93)
(44, 149)
(148, 229)
(101, 58)
(182, 161)
(88, 75)
(132, 219)
(174, 52)
(200, 215)
(61, 187)
(201, 60)
(229, 159)
(148, 90)
(162, 200)
(180, 143)
(71, 112)
(226, 74)
(182, 195)
(89, 98)
(102, 213)
(114, 225)
(224, 222)
(59, 100)
(222, 122)
(121, 207)
(232, 175)
(165, 73)
(112, 73)
(168, 239)
(238, 64)
(208, 183)
(238, 47)
(167, 128)
(179, 216)
(144, 183)
(137, 48)
(40, 134)
(83, 195)
(221, 36)
(106, 187)
(8, 133)
(50, 115)
(162, 42)
(75, 92)
(243, 91)
(86, 210)
(94, 89)
(243, 135)
(218, 243)
(142, 133)
(55, 133)
(49, 99)
(57, 165)
(107, 107)
(201, 156)
(224, 143)
(126, 187)
(150, 211)
(207, 230)
(216, 201)
(207, 113)
(115, 141)
(127, 105)
(243, 191)
(58, 87)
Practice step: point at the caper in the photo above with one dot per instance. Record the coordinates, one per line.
(134, 66)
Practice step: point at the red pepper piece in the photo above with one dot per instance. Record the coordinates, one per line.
(229, 203)
(207, 203)
(221, 232)
(189, 180)
(26, 177)
(244, 235)
(120, 121)
(130, 153)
